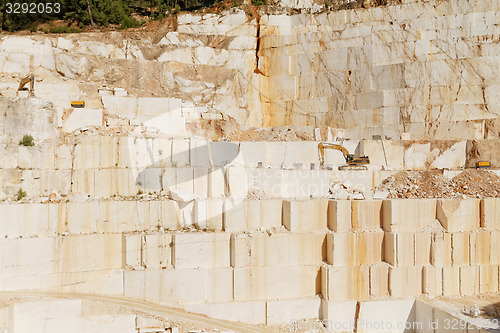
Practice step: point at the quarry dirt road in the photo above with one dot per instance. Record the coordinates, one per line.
(200, 321)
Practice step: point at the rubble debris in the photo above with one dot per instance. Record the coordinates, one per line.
(271, 134)
(433, 184)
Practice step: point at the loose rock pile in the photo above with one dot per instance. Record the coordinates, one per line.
(433, 184)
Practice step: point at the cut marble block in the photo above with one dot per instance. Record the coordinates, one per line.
(379, 280)
(405, 281)
(279, 282)
(469, 280)
(460, 254)
(451, 281)
(488, 279)
(408, 215)
(305, 215)
(279, 249)
(201, 250)
(433, 281)
(366, 214)
(345, 283)
(339, 215)
(458, 215)
(441, 249)
(399, 248)
(348, 248)
(285, 311)
(490, 210)
(480, 247)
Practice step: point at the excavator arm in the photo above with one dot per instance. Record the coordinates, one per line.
(28, 79)
(350, 159)
(322, 146)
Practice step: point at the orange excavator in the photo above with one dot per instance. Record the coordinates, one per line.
(352, 161)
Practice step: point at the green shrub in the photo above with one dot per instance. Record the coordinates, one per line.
(27, 140)
(21, 194)
(258, 2)
(130, 22)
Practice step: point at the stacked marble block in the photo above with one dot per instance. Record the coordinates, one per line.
(457, 256)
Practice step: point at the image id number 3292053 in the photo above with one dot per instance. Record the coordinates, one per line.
(33, 8)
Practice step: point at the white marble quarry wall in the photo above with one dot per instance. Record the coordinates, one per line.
(424, 68)
(306, 258)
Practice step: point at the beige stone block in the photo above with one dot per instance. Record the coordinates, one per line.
(460, 244)
(29, 157)
(458, 215)
(133, 250)
(405, 281)
(480, 246)
(217, 183)
(83, 182)
(63, 158)
(184, 179)
(263, 214)
(270, 214)
(157, 250)
(386, 316)
(280, 249)
(280, 282)
(488, 279)
(366, 214)
(422, 248)
(28, 256)
(91, 252)
(82, 217)
(209, 214)
(451, 281)
(495, 248)
(108, 152)
(180, 152)
(369, 248)
(384, 153)
(305, 215)
(201, 250)
(341, 248)
(345, 283)
(433, 281)
(237, 182)
(241, 247)
(103, 179)
(215, 213)
(200, 182)
(294, 249)
(286, 311)
(399, 248)
(490, 210)
(339, 215)
(234, 217)
(245, 312)
(441, 249)
(469, 280)
(193, 286)
(408, 214)
(379, 281)
(170, 215)
(87, 153)
(339, 312)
